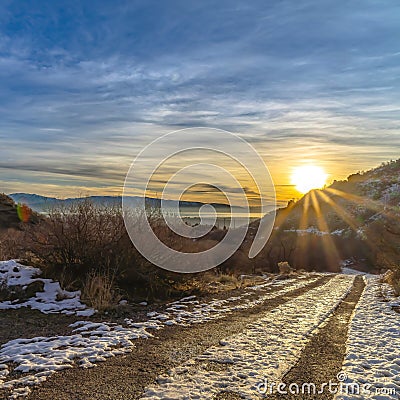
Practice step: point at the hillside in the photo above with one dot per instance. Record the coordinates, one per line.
(13, 216)
(8, 213)
(356, 219)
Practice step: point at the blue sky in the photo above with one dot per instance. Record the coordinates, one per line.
(85, 85)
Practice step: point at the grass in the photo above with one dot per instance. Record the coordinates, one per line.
(393, 279)
(99, 291)
(227, 279)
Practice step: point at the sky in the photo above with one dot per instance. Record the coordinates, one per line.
(86, 85)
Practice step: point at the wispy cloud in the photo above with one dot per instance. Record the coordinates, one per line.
(85, 87)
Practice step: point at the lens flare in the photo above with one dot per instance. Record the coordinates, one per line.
(24, 212)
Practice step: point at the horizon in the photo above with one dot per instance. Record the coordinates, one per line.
(279, 203)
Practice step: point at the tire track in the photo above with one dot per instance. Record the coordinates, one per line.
(126, 377)
(322, 359)
(268, 347)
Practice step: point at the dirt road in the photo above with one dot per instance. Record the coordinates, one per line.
(235, 347)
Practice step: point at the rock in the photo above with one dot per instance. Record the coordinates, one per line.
(33, 288)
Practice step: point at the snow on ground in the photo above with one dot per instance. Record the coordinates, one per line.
(189, 310)
(42, 356)
(39, 357)
(313, 230)
(351, 271)
(265, 349)
(346, 265)
(373, 355)
(310, 229)
(52, 300)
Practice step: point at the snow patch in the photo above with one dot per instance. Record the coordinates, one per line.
(42, 356)
(177, 313)
(53, 299)
(314, 231)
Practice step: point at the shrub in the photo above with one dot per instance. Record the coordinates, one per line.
(99, 291)
(82, 238)
(392, 277)
(12, 244)
(284, 267)
(83, 241)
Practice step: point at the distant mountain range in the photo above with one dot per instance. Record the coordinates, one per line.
(42, 203)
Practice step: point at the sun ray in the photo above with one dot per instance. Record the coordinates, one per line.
(302, 241)
(345, 215)
(369, 204)
(304, 216)
(352, 222)
(331, 252)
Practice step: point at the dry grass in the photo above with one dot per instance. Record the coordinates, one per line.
(284, 267)
(99, 291)
(230, 281)
(392, 277)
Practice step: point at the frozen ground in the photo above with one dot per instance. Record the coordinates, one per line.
(313, 230)
(189, 310)
(42, 356)
(266, 349)
(372, 361)
(53, 299)
(39, 357)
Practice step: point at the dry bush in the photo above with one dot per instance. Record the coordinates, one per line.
(99, 291)
(284, 267)
(208, 277)
(84, 240)
(392, 277)
(81, 238)
(12, 244)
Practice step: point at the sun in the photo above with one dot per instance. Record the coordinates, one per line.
(308, 177)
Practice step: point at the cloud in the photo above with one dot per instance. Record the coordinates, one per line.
(85, 87)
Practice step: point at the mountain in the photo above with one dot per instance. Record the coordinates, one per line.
(357, 219)
(349, 204)
(42, 203)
